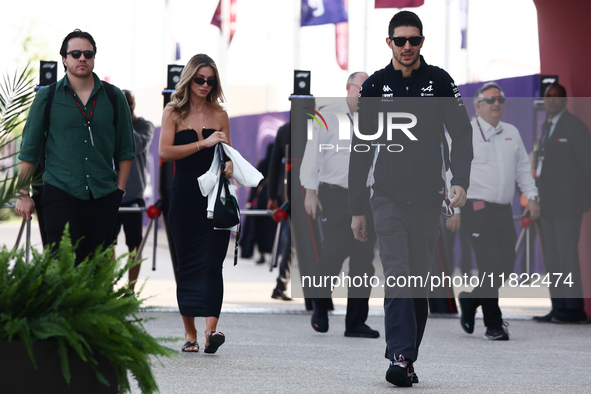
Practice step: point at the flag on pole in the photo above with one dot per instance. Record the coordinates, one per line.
(342, 44)
(217, 17)
(464, 22)
(322, 12)
(398, 3)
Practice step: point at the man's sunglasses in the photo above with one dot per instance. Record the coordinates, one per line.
(446, 210)
(401, 41)
(201, 81)
(76, 54)
(491, 100)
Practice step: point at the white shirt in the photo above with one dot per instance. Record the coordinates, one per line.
(499, 163)
(331, 165)
(555, 120)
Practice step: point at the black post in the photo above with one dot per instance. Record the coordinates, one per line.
(167, 169)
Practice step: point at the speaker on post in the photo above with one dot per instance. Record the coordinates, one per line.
(47, 73)
(174, 75)
(301, 83)
(545, 81)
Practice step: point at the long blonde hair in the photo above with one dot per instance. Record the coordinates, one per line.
(179, 100)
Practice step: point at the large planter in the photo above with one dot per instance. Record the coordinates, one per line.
(19, 376)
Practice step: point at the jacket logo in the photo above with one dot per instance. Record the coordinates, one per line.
(386, 88)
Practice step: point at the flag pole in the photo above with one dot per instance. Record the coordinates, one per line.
(296, 33)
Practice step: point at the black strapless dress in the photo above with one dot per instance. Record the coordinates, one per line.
(200, 249)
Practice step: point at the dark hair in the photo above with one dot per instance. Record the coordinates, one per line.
(75, 34)
(405, 18)
(559, 86)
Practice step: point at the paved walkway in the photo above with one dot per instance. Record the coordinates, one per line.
(271, 347)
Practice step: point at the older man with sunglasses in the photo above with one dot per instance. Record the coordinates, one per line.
(500, 159)
(89, 134)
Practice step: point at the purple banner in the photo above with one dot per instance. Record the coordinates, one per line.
(322, 12)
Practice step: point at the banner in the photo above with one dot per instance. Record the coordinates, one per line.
(342, 44)
(217, 17)
(398, 3)
(322, 12)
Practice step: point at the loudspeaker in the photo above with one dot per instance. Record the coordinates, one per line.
(301, 83)
(545, 81)
(47, 73)
(174, 75)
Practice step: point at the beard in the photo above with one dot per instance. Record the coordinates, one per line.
(412, 61)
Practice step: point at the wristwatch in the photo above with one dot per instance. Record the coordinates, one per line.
(536, 199)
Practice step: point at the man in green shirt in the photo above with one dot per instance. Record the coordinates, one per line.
(82, 145)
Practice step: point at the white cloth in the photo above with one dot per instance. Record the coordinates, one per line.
(499, 163)
(332, 164)
(243, 173)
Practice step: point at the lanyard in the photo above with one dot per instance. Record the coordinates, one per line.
(88, 118)
(483, 137)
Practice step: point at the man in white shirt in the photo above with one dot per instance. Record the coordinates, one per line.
(324, 175)
(500, 159)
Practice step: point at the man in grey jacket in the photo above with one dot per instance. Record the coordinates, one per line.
(143, 132)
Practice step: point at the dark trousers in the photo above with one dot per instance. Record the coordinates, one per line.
(285, 258)
(561, 237)
(493, 240)
(338, 244)
(407, 235)
(91, 221)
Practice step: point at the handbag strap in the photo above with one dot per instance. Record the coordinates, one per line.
(229, 197)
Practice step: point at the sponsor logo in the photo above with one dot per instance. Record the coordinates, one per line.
(176, 69)
(386, 88)
(302, 75)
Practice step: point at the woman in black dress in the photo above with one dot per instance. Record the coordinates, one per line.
(192, 124)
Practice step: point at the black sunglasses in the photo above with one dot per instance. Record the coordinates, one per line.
(76, 54)
(401, 41)
(201, 81)
(446, 210)
(491, 100)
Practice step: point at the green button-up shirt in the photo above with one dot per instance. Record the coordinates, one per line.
(72, 162)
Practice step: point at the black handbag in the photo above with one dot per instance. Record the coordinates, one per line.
(225, 214)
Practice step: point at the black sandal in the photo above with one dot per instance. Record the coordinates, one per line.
(189, 344)
(215, 341)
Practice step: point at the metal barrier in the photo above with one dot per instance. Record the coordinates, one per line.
(154, 212)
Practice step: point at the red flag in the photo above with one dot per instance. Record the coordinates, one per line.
(217, 17)
(398, 3)
(342, 44)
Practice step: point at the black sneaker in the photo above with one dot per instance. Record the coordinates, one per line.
(362, 331)
(319, 319)
(468, 312)
(497, 333)
(413, 376)
(399, 373)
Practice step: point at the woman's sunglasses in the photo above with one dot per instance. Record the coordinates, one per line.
(401, 41)
(201, 81)
(76, 54)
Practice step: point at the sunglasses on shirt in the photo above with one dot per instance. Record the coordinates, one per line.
(201, 81)
(401, 41)
(491, 100)
(446, 210)
(76, 54)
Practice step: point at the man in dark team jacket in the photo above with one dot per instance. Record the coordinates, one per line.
(409, 187)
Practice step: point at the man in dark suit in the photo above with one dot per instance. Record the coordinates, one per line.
(563, 171)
